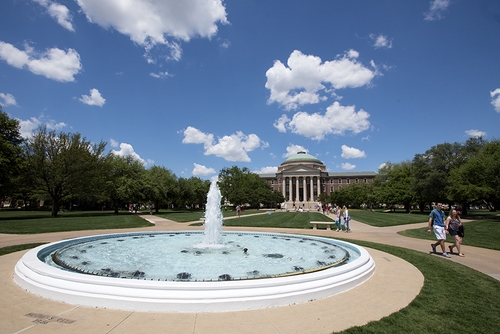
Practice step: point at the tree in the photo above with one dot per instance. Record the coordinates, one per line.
(63, 165)
(123, 181)
(241, 186)
(159, 184)
(479, 178)
(10, 153)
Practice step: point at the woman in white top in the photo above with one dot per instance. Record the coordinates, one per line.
(346, 219)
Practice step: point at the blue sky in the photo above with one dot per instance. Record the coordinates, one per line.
(198, 85)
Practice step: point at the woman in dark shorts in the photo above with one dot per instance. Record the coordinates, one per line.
(455, 228)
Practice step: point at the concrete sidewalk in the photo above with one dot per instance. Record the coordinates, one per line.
(24, 312)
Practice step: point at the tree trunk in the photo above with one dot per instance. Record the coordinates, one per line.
(55, 207)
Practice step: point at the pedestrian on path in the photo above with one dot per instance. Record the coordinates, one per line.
(440, 227)
(455, 228)
(346, 219)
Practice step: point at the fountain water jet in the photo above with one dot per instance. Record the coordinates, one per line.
(106, 286)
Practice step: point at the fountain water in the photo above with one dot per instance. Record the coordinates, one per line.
(213, 216)
(190, 271)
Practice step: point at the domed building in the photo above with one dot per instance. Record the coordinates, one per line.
(302, 178)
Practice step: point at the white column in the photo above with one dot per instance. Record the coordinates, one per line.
(283, 189)
(304, 189)
(290, 192)
(297, 189)
(318, 185)
(312, 189)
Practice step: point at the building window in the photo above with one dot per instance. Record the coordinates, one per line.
(357, 180)
(331, 181)
(340, 181)
(365, 180)
(272, 182)
(331, 189)
(348, 181)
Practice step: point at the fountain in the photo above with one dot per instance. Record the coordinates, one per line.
(193, 271)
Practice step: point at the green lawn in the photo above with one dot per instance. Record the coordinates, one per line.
(382, 219)
(279, 219)
(454, 299)
(21, 222)
(184, 216)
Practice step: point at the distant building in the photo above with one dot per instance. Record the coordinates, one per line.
(302, 178)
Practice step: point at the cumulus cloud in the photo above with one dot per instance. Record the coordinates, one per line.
(437, 7)
(267, 170)
(352, 153)
(55, 64)
(475, 133)
(293, 149)
(381, 41)
(347, 166)
(94, 99)
(232, 148)
(127, 150)
(58, 12)
(305, 76)
(27, 127)
(382, 165)
(495, 99)
(8, 99)
(200, 170)
(151, 23)
(337, 120)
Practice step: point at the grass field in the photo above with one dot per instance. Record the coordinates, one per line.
(382, 219)
(21, 222)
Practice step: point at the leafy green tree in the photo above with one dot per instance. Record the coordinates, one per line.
(11, 157)
(123, 180)
(63, 165)
(479, 178)
(159, 185)
(192, 192)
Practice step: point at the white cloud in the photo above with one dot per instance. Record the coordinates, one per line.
(200, 170)
(347, 166)
(352, 153)
(337, 120)
(113, 143)
(27, 127)
(437, 7)
(293, 149)
(381, 41)
(281, 122)
(8, 99)
(58, 12)
(95, 98)
(160, 75)
(128, 150)
(55, 64)
(151, 23)
(302, 81)
(495, 99)
(367, 138)
(475, 133)
(267, 170)
(382, 165)
(232, 148)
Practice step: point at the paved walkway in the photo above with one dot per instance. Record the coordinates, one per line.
(23, 312)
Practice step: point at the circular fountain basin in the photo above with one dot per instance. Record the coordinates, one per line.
(173, 272)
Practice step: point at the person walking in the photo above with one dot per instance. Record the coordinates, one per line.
(440, 227)
(455, 228)
(338, 221)
(346, 219)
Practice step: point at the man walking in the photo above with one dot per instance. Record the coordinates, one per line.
(437, 221)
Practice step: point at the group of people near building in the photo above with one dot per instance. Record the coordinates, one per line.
(443, 226)
(342, 219)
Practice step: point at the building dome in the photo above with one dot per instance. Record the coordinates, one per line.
(302, 157)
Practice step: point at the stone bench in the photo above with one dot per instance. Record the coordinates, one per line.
(328, 224)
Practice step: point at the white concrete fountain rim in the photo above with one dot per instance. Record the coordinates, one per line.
(49, 282)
